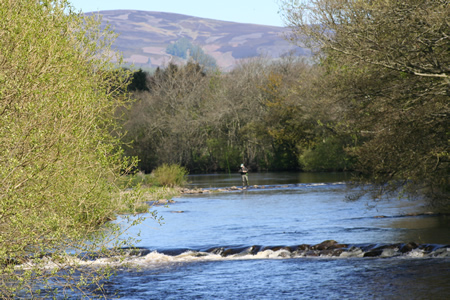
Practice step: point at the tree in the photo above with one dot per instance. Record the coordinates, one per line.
(410, 37)
(390, 64)
(138, 81)
(59, 161)
(193, 53)
(166, 125)
(179, 48)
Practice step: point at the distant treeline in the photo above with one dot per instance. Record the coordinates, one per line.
(264, 114)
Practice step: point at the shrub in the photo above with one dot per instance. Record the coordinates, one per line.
(327, 156)
(135, 180)
(170, 175)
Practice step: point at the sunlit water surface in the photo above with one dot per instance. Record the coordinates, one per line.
(286, 209)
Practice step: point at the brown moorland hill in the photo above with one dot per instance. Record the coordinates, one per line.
(145, 35)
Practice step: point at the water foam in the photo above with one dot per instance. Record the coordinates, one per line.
(328, 249)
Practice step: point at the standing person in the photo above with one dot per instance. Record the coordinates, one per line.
(243, 170)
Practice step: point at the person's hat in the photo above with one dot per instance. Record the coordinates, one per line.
(242, 165)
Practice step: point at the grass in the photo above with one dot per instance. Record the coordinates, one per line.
(142, 191)
(137, 202)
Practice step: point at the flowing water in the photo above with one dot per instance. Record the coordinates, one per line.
(266, 243)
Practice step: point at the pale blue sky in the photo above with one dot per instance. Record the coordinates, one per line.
(263, 12)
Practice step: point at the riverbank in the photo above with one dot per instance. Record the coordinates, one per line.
(142, 200)
(178, 191)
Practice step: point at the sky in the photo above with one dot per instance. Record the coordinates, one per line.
(262, 12)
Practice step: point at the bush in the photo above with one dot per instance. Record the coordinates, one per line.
(170, 175)
(327, 156)
(140, 179)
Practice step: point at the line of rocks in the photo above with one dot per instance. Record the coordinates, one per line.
(331, 248)
(228, 189)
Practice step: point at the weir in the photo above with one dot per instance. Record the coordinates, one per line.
(330, 249)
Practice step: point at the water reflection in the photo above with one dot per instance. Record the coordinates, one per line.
(264, 178)
(434, 229)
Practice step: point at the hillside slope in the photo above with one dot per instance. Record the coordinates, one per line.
(145, 35)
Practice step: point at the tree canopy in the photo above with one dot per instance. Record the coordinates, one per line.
(389, 63)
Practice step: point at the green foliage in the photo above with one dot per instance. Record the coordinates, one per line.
(135, 204)
(157, 193)
(143, 197)
(180, 48)
(227, 157)
(139, 179)
(387, 64)
(185, 49)
(59, 162)
(170, 175)
(329, 155)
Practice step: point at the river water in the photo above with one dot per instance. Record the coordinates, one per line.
(262, 243)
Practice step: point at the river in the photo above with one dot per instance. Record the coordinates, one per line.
(266, 242)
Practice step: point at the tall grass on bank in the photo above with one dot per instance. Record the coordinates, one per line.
(148, 196)
(161, 184)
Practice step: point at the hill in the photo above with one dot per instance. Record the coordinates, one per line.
(145, 36)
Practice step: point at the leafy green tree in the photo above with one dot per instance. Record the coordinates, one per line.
(179, 48)
(185, 49)
(199, 56)
(283, 122)
(390, 62)
(59, 161)
(329, 155)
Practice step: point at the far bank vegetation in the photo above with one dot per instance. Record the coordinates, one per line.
(270, 115)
